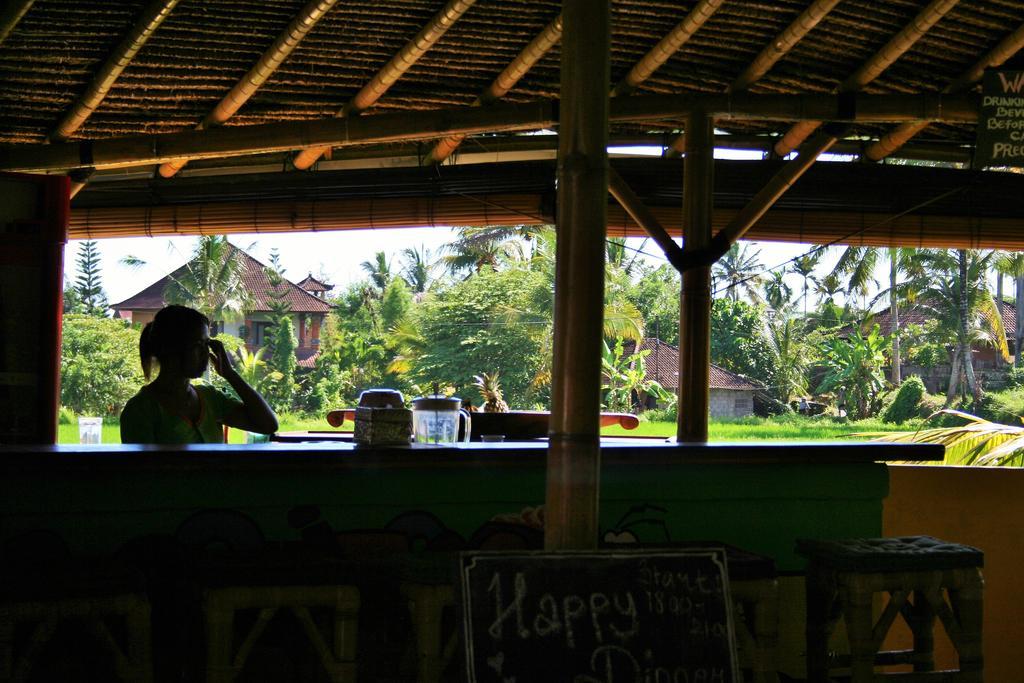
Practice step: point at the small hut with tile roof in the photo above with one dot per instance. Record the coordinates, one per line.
(316, 287)
(307, 309)
(732, 395)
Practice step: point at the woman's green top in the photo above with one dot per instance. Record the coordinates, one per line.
(145, 420)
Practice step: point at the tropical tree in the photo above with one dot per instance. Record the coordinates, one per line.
(487, 245)
(740, 269)
(210, 282)
(379, 271)
(417, 268)
(282, 362)
(88, 283)
(977, 442)
(952, 287)
(1012, 264)
(804, 267)
(853, 367)
(740, 342)
(791, 357)
(625, 377)
(99, 364)
(777, 293)
(858, 265)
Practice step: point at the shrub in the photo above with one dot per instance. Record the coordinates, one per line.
(66, 416)
(667, 414)
(1015, 377)
(1006, 406)
(907, 401)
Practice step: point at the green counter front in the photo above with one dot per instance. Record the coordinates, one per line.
(92, 501)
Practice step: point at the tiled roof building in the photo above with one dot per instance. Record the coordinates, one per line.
(308, 310)
(732, 395)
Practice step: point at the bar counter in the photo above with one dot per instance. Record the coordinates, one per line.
(759, 496)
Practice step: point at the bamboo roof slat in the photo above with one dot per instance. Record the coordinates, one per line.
(393, 70)
(896, 47)
(240, 93)
(900, 135)
(11, 14)
(505, 81)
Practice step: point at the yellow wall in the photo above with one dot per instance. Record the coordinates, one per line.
(982, 507)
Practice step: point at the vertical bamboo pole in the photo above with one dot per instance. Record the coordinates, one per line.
(695, 301)
(574, 455)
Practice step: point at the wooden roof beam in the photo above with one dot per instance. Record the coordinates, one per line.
(148, 22)
(644, 217)
(871, 69)
(227, 141)
(506, 80)
(267, 64)
(11, 15)
(392, 71)
(666, 47)
(901, 134)
(772, 53)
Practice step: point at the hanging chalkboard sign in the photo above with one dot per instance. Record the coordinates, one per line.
(592, 617)
(1001, 120)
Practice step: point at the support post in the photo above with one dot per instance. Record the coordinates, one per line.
(695, 300)
(574, 455)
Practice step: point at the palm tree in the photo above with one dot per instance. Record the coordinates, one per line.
(417, 268)
(1012, 264)
(951, 286)
(740, 268)
(791, 358)
(777, 293)
(858, 263)
(487, 245)
(804, 267)
(210, 282)
(379, 270)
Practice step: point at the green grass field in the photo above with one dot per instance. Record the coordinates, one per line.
(789, 428)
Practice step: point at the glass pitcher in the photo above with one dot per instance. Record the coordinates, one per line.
(435, 419)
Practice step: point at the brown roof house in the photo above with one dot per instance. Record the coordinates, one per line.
(308, 308)
(732, 395)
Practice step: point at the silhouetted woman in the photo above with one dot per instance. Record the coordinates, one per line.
(172, 410)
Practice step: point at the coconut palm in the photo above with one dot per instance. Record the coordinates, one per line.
(210, 282)
(858, 265)
(977, 442)
(417, 268)
(952, 287)
(1012, 264)
(787, 341)
(739, 269)
(804, 267)
(487, 245)
(379, 270)
(777, 293)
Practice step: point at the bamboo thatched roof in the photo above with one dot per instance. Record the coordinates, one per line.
(204, 46)
(126, 83)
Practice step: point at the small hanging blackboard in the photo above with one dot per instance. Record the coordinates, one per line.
(658, 616)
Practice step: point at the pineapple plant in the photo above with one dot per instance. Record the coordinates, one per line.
(490, 391)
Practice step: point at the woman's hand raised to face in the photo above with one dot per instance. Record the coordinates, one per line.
(220, 358)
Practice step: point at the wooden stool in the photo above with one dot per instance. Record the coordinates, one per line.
(842, 578)
(223, 664)
(754, 588)
(292, 581)
(92, 602)
(427, 603)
